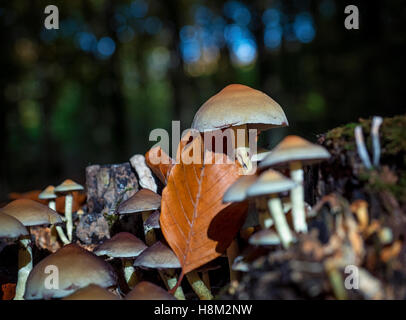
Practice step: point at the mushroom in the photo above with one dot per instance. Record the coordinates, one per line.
(148, 291)
(361, 148)
(159, 256)
(76, 268)
(376, 145)
(49, 194)
(260, 155)
(29, 213)
(144, 201)
(271, 183)
(294, 151)
(265, 237)
(92, 292)
(12, 230)
(241, 108)
(125, 246)
(152, 222)
(67, 188)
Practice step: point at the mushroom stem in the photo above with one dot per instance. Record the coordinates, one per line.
(242, 147)
(232, 253)
(68, 215)
(282, 227)
(361, 148)
(170, 279)
(198, 286)
(264, 216)
(24, 267)
(206, 279)
(376, 145)
(150, 237)
(337, 284)
(64, 239)
(130, 274)
(297, 197)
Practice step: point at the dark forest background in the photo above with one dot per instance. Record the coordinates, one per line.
(92, 91)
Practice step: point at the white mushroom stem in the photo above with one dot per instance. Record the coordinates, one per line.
(130, 274)
(232, 253)
(376, 145)
(170, 279)
(59, 229)
(24, 267)
(68, 215)
(198, 286)
(281, 225)
(361, 148)
(297, 198)
(242, 148)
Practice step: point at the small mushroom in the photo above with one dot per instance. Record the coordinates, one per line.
(29, 213)
(260, 155)
(76, 269)
(92, 292)
(148, 291)
(49, 194)
(361, 148)
(152, 222)
(271, 183)
(159, 256)
(294, 152)
(127, 247)
(241, 108)
(144, 201)
(67, 188)
(376, 145)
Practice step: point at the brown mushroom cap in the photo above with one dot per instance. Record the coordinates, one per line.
(10, 227)
(68, 186)
(157, 256)
(31, 213)
(77, 269)
(148, 291)
(143, 200)
(122, 245)
(237, 192)
(270, 182)
(153, 221)
(294, 148)
(48, 193)
(237, 105)
(92, 292)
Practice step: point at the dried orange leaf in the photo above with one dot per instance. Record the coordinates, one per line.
(159, 162)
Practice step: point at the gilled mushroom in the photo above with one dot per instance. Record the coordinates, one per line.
(49, 194)
(12, 230)
(270, 183)
(161, 257)
(265, 237)
(260, 155)
(144, 201)
(29, 213)
(241, 108)
(67, 188)
(148, 291)
(152, 222)
(294, 152)
(127, 247)
(92, 292)
(73, 268)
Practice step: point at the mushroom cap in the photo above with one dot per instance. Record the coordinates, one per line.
(77, 268)
(294, 148)
(237, 192)
(68, 186)
(265, 237)
(260, 155)
(237, 105)
(143, 200)
(153, 221)
(31, 213)
(148, 291)
(10, 227)
(270, 182)
(122, 245)
(157, 256)
(48, 193)
(92, 292)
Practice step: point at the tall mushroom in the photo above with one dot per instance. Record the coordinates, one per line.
(74, 268)
(270, 183)
(145, 202)
(49, 194)
(29, 213)
(67, 188)
(294, 152)
(125, 246)
(241, 108)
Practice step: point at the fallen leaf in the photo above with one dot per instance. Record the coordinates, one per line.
(159, 162)
(9, 291)
(196, 224)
